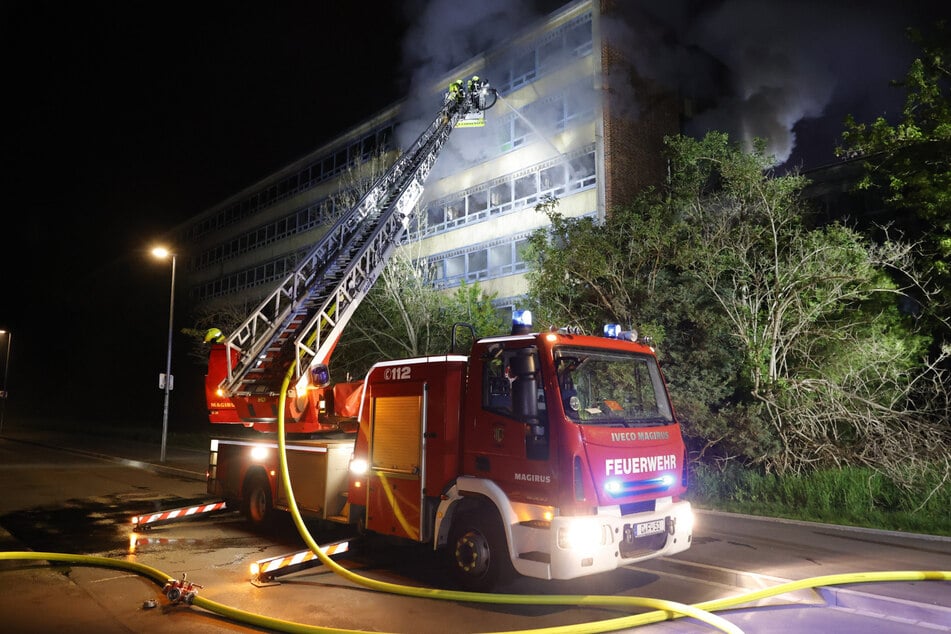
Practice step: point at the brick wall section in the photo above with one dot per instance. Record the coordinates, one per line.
(637, 116)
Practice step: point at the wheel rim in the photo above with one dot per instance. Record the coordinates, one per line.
(472, 553)
(257, 504)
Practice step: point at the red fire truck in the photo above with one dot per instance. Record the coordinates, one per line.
(555, 454)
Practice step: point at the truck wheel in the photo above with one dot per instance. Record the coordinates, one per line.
(258, 507)
(478, 555)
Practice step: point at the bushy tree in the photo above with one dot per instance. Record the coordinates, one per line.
(835, 365)
(632, 269)
(909, 161)
(790, 334)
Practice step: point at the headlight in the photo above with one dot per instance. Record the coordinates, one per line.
(259, 454)
(358, 466)
(582, 536)
(613, 487)
(685, 522)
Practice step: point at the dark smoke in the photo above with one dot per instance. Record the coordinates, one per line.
(787, 71)
(443, 35)
(780, 70)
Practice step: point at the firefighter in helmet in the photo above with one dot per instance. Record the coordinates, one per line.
(214, 335)
(474, 91)
(455, 92)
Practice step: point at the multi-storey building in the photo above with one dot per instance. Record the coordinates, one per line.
(572, 122)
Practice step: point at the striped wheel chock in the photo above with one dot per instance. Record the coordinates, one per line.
(143, 521)
(266, 570)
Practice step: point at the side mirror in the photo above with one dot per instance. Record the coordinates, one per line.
(525, 386)
(523, 362)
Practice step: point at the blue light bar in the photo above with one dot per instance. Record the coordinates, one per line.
(521, 322)
(613, 331)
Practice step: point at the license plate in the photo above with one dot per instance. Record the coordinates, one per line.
(649, 528)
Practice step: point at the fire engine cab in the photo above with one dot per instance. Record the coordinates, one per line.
(554, 453)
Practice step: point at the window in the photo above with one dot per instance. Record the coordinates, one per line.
(341, 162)
(523, 69)
(496, 387)
(521, 253)
(500, 258)
(478, 264)
(582, 167)
(606, 386)
(435, 214)
(501, 379)
(455, 211)
(500, 196)
(579, 103)
(367, 148)
(525, 188)
(455, 266)
(550, 51)
(478, 203)
(552, 177)
(578, 39)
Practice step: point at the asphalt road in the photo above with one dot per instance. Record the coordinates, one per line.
(76, 493)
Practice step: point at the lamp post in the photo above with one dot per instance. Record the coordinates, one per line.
(162, 252)
(4, 393)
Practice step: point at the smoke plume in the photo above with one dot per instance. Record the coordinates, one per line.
(786, 71)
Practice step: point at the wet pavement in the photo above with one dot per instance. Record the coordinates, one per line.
(844, 609)
(187, 462)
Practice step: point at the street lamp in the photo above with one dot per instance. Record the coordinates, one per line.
(5, 392)
(162, 253)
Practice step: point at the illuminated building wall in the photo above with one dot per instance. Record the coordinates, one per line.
(572, 122)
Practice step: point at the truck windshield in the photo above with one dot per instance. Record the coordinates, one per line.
(607, 387)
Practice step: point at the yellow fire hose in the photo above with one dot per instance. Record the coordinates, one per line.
(662, 610)
(391, 498)
(661, 614)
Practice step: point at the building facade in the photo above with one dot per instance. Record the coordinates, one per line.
(572, 122)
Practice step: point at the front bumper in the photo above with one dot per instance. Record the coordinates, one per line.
(584, 545)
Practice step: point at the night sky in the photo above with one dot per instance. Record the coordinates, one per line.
(123, 119)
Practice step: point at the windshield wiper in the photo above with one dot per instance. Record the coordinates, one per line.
(649, 422)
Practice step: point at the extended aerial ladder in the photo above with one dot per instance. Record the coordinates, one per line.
(299, 323)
